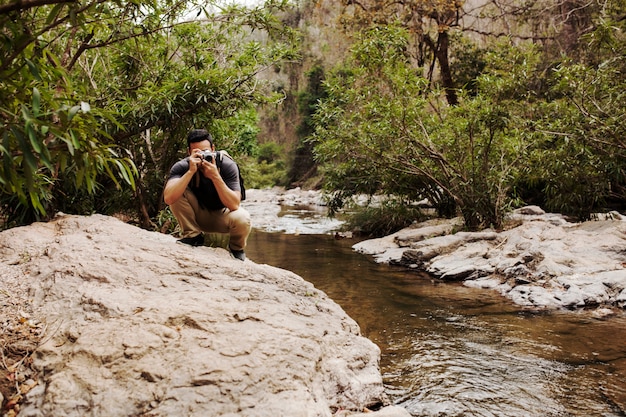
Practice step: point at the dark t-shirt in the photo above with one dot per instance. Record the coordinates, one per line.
(206, 192)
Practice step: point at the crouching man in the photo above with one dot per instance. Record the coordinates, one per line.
(206, 199)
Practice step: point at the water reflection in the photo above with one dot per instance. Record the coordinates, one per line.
(449, 350)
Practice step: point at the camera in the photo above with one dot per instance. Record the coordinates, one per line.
(208, 155)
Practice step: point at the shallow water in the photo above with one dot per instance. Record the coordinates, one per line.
(449, 350)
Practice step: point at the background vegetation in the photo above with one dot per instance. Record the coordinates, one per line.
(530, 111)
(97, 96)
(476, 106)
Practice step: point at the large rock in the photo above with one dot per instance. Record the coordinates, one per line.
(139, 325)
(545, 261)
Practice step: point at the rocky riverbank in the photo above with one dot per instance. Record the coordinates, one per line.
(541, 261)
(544, 262)
(99, 317)
(102, 318)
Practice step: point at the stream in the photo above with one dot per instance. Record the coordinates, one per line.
(450, 350)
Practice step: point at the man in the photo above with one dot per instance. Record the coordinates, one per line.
(204, 198)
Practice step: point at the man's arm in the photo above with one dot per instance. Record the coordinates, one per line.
(175, 187)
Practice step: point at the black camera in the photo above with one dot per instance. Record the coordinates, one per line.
(208, 155)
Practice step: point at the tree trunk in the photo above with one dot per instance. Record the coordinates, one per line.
(441, 54)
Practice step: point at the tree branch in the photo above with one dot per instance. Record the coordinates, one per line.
(29, 4)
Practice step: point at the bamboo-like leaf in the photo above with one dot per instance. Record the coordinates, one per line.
(29, 177)
(111, 175)
(36, 102)
(33, 69)
(44, 157)
(7, 160)
(73, 111)
(70, 146)
(29, 157)
(75, 141)
(54, 13)
(122, 170)
(36, 203)
(32, 135)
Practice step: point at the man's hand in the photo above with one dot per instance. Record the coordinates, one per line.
(209, 170)
(195, 161)
(175, 187)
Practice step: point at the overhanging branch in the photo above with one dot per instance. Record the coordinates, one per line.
(29, 4)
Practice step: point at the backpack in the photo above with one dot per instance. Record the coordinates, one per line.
(218, 162)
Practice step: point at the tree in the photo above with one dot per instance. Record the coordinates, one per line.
(429, 24)
(49, 132)
(377, 133)
(304, 166)
(95, 95)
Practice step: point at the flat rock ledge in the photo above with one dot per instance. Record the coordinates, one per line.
(545, 262)
(134, 324)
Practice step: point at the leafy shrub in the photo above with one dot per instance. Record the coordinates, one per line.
(262, 174)
(383, 219)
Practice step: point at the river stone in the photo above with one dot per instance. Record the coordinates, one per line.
(391, 411)
(426, 230)
(531, 210)
(543, 261)
(140, 325)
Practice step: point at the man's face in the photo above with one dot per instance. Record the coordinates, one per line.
(205, 145)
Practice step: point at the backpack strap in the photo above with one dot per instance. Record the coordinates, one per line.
(218, 160)
(219, 156)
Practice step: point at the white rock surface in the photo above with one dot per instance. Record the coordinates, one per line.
(545, 262)
(137, 324)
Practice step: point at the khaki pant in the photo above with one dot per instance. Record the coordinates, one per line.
(193, 220)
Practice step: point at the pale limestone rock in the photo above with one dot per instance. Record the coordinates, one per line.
(545, 262)
(531, 210)
(391, 411)
(138, 324)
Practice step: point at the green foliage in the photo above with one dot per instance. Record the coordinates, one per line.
(467, 63)
(303, 166)
(580, 156)
(357, 124)
(96, 98)
(378, 134)
(50, 138)
(270, 152)
(267, 170)
(165, 222)
(525, 126)
(385, 218)
(237, 134)
(479, 150)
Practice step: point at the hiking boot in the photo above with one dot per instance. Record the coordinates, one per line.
(192, 241)
(238, 254)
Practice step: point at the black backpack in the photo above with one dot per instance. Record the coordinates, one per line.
(218, 162)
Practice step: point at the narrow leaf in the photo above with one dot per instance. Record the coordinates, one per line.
(32, 135)
(33, 69)
(73, 111)
(29, 157)
(54, 13)
(122, 170)
(36, 102)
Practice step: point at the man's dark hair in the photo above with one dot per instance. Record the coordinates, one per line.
(198, 135)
